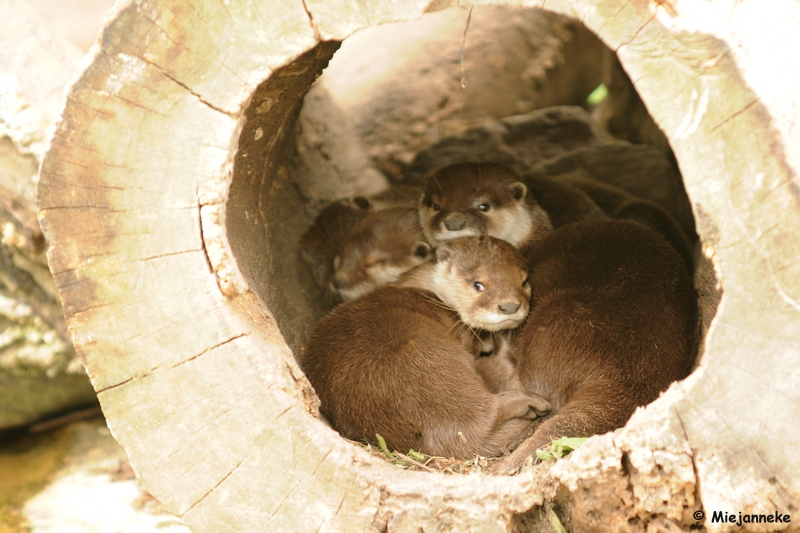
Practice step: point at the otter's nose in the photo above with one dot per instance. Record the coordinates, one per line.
(455, 222)
(508, 308)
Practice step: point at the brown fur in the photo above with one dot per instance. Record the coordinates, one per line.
(618, 203)
(480, 199)
(519, 212)
(378, 250)
(496, 361)
(399, 362)
(322, 242)
(613, 322)
(642, 171)
(563, 202)
(502, 300)
(397, 195)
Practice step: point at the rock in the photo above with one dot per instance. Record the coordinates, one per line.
(75, 479)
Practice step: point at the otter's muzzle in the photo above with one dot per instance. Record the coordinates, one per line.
(455, 222)
(508, 308)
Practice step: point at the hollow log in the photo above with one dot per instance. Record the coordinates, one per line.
(170, 213)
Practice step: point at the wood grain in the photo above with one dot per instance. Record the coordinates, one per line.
(195, 377)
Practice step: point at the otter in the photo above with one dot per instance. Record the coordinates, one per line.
(496, 361)
(378, 249)
(322, 242)
(335, 247)
(618, 203)
(399, 361)
(396, 195)
(490, 198)
(614, 321)
(643, 171)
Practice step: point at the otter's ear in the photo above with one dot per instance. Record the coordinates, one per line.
(443, 252)
(421, 249)
(430, 183)
(518, 190)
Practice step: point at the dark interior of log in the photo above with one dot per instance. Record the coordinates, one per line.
(268, 210)
(266, 215)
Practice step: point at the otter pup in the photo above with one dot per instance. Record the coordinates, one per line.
(613, 322)
(495, 360)
(321, 243)
(399, 361)
(618, 203)
(397, 195)
(490, 198)
(378, 249)
(641, 170)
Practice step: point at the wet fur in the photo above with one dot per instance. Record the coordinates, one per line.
(613, 322)
(400, 363)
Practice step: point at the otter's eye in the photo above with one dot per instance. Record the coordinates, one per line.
(478, 286)
(484, 207)
(435, 206)
(526, 283)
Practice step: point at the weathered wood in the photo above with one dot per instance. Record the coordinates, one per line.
(385, 97)
(194, 374)
(40, 374)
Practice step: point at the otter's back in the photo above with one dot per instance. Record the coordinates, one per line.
(394, 362)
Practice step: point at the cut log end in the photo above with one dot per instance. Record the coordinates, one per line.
(188, 301)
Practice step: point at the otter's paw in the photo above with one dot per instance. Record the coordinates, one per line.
(538, 405)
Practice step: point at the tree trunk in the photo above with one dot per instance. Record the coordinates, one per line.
(173, 224)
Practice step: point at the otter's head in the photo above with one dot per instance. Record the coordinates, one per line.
(485, 280)
(378, 250)
(321, 243)
(479, 199)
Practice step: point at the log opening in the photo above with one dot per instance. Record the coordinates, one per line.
(283, 173)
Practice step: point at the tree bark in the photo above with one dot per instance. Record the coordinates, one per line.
(170, 213)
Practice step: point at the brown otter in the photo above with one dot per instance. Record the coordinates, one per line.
(378, 249)
(322, 242)
(399, 361)
(397, 195)
(496, 361)
(490, 198)
(618, 203)
(641, 170)
(563, 202)
(331, 236)
(613, 322)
